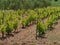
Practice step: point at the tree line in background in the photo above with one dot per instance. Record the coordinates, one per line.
(23, 4)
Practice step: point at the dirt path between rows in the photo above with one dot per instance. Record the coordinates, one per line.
(27, 37)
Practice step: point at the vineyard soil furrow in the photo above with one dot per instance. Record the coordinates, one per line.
(30, 39)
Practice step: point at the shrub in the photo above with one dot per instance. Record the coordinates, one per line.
(8, 29)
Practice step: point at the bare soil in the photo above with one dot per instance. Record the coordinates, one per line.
(27, 37)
